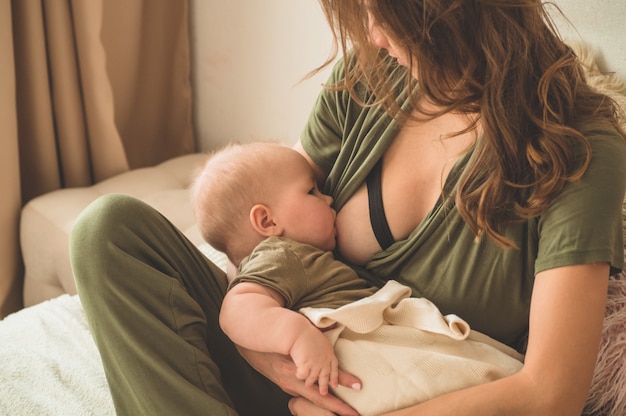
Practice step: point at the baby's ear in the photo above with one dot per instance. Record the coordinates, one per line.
(262, 221)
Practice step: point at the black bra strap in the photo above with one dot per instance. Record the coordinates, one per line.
(377, 210)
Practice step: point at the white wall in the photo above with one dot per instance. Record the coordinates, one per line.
(600, 24)
(250, 54)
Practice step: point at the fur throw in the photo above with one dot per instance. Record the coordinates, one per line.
(607, 396)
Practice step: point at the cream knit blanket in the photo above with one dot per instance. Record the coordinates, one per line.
(50, 363)
(405, 351)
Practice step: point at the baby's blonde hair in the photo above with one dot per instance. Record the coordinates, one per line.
(229, 184)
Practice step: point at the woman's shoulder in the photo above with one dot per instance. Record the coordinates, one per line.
(607, 144)
(602, 131)
(396, 74)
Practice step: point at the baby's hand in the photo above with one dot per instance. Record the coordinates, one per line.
(315, 360)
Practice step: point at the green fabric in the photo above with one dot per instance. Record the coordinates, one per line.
(152, 301)
(488, 286)
(304, 275)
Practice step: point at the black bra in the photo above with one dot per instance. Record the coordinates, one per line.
(377, 210)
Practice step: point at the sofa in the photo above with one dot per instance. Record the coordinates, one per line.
(46, 221)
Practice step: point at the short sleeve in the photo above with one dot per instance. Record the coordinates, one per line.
(584, 224)
(322, 135)
(345, 136)
(276, 266)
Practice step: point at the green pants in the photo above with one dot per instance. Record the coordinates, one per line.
(152, 301)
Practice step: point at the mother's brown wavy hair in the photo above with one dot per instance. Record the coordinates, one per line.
(500, 60)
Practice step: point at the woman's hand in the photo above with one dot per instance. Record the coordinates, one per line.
(300, 406)
(281, 371)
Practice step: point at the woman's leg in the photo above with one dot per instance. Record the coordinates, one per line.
(152, 300)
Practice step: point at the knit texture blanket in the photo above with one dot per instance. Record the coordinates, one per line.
(50, 363)
(405, 351)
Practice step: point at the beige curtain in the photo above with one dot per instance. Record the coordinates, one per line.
(89, 89)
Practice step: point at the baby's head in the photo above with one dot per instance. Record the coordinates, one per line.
(247, 192)
(231, 181)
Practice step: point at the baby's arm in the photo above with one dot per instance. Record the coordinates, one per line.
(254, 317)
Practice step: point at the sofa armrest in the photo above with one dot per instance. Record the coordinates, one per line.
(47, 220)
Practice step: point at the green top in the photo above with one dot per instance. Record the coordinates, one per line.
(486, 285)
(304, 275)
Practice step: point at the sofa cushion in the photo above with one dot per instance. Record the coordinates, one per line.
(46, 221)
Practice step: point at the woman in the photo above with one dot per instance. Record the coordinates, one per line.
(467, 159)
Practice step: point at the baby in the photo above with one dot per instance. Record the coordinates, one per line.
(259, 203)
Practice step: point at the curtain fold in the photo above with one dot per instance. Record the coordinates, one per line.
(146, 42)
(57, 100)
(10, 265)
(90, 89)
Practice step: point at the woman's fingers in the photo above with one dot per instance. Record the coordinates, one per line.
(282, 371)
(320, 402)
(299, 406)
(348, 380)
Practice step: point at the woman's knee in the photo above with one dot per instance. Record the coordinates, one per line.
(105, 215)
(103, 224)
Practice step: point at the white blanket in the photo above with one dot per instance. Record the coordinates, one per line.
(406, 352)
(50, 364)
